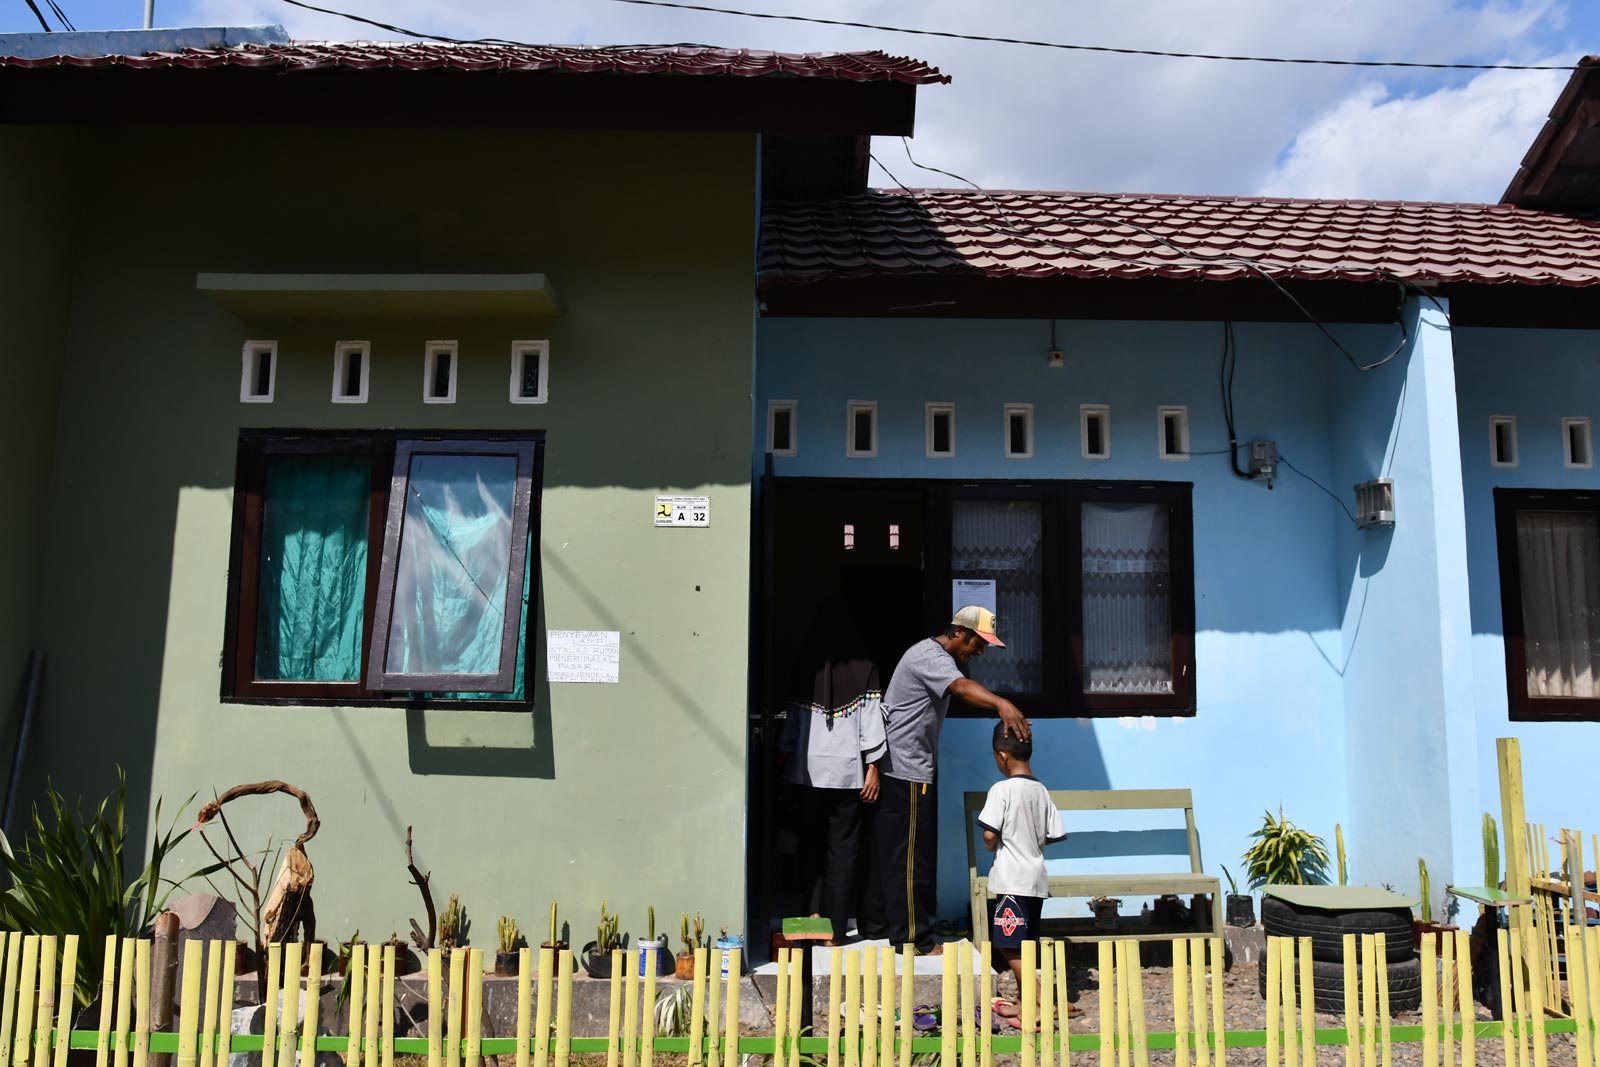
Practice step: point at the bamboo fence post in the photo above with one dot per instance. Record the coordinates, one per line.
(1135, 974)
(269, 1009)
(389, 967)
(1447, 977)
(69, 999)
(835, 981)
(1180, 1002)
(1536, 1007)
(1509, 1047)
(730, 1044)
(454, 996)
(1105, 978)
(1591, 959)
(852, 1010)
(969, 1029)
(312, 1016)
(474, 1020)
(356, 974)
(614, 1016)
(1308, 1004)
(1124, 1006)
(886, 1001)
(564, 1005)
(869, 1007)
(1352, 990)
(714, 967)
(1521, 989)
(949, 1023)
(108, 1001)
(1219, 950)
(435, 1008)
(908, 974)
(1274, 991)
(647, 1005)
(1028, 1004)
(189, 1003)
(525, 1004)
(1287, 970)
(1380, 952)
(1197, 982)
(798, 958)
(1430, 1007)
(1469, 1009)
(1047, 1003)
(630, 1009)
(141, 1003)
(1063, 1003)
(780, 1009)
(1369, 1001)
(230, 967)
(8, 1015)
(370, 1014)
(697, 1010)
(22, 1044)
(208, 1015)
(46, 1002)
(289, 1008)
(986, 1003)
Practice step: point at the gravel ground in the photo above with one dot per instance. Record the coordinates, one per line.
(1244, 1009)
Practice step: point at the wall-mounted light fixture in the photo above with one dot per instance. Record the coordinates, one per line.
(1375, 503)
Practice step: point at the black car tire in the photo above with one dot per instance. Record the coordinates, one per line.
(1327, 979)
(1327, 928)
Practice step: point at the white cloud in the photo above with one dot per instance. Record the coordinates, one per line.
(1460, 143)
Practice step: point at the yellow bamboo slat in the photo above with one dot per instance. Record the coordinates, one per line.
(1430, 1006)
(289, 1012)
(870, 984)
(908, 1003)
(564, 1004)
(796, 968)
(1352, 964)
(986, 1004)
(1380, 950)
(949, 1024)
(69, 982)
(389, 965)
(1180, 1002)
(1107, 996)
(1519, 993)
(208, 1014)
(455, 994)
(22, 1043)
(1291, 1021)
(1219, 949)
(1124, 1027)
(373, 1010)
(647, 1004)
(189, 1004)
(1507, 1018)
(230, 968)
(630, 1010)
(1591, 959)
(269, 1007)
(1197, 982)
(697, 1011)
(141, 1002)
(312, 1015)
(1469, 1007)
(852, 1011)
(1135, 975)
(730, 1030)
(969, 1021)
(1273, 992)
(714, 1006)
(835, 984)
(780, 1009)
(8, 1014)
(528, 1026)
(1536, 1005)
(1308, 1004)
(1447, 1015)
(435, 1008)
(45, 1001)
(108, 1001)
(1028, 1004)
(1047, 1003)
(356, 974)
(886, 999)
(1369, 1000)
(614, 1025)
(1063, 1002)
(474, 1026)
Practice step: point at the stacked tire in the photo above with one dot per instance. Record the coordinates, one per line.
(1326, 928)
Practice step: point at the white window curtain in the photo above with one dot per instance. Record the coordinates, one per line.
(1000, 540)
(1558, 558)
(1127, 599)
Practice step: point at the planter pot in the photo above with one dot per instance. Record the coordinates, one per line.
(1431, 931)
(595, 965)
(1241, 910)
(505, 963)
(653, 958)
(726, 945)
(556, 947)
(683, 966)
(244, 959)
(1105, 913)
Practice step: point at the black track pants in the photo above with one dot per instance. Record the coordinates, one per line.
(907, 840)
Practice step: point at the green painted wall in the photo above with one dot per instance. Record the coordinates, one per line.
(633, 792)
(34, 276)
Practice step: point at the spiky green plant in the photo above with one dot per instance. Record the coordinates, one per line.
(553, 928)
(605, 935)
(1233, 887)
(650, 921)
(1422, 874)
(508, 933)
(450, 923)
(1491, 851)
(1284, 854)
(1338, 840)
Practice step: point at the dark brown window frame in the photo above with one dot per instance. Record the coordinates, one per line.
(1062, 579)
(1519, 705)
(239, 685)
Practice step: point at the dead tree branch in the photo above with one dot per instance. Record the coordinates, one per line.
(420, 880)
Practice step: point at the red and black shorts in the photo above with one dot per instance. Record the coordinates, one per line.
(1013, 920)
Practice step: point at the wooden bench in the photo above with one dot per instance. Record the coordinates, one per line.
(1181, 883)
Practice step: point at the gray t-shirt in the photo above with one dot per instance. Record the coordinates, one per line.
(1019, 810)
(914, 707)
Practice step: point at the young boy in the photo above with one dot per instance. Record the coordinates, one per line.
(1018, 820)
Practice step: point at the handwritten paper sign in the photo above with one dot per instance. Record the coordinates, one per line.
(584, 655)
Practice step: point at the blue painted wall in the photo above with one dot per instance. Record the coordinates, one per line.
(1541, 377)
(1271, 595)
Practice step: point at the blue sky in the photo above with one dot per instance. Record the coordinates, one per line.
(1016, 117)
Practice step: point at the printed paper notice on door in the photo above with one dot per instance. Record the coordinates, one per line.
(584, 655)
(968, 591)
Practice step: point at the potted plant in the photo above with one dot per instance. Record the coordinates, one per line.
(1284, 854)
(596, 957)
(505, 959)
(1423, 925)
(684, 964)
(554, 941)
(452, 928)
(1105, 912)
(653, 949)
(726, 943)
(1241, 906)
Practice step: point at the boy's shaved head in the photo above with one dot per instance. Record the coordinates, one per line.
(1011, 746)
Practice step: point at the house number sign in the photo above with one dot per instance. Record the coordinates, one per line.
(683, 511)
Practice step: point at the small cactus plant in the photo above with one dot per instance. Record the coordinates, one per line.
(1338, 838)
(509, 935)
(650, 921)
(1426, 909)
(698, 940)
(555, 929)
(606, 934)
(450, 923)
(1491, 852)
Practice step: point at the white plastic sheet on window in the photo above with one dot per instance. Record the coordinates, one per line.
(1127, 599)
(1558, 558)
(999, 540)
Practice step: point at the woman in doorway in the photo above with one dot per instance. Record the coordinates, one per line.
(834, 735)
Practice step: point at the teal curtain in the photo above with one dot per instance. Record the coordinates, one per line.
(518, 690)
(313, 568)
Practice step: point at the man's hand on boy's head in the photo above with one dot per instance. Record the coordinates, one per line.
(1017, 724)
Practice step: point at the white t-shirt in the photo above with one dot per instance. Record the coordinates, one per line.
(1020, 811)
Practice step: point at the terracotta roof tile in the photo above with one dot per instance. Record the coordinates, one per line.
(429, 55)
(1034, 234)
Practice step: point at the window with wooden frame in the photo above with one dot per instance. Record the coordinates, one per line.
(1093, 588)
(386, 567)
(1549, 555)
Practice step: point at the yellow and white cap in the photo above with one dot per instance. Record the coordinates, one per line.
(980, 621)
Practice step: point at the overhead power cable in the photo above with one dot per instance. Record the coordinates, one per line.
(61, 16)
(37, 14)
(1061, 45)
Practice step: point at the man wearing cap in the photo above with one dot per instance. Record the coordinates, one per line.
(914, 707)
